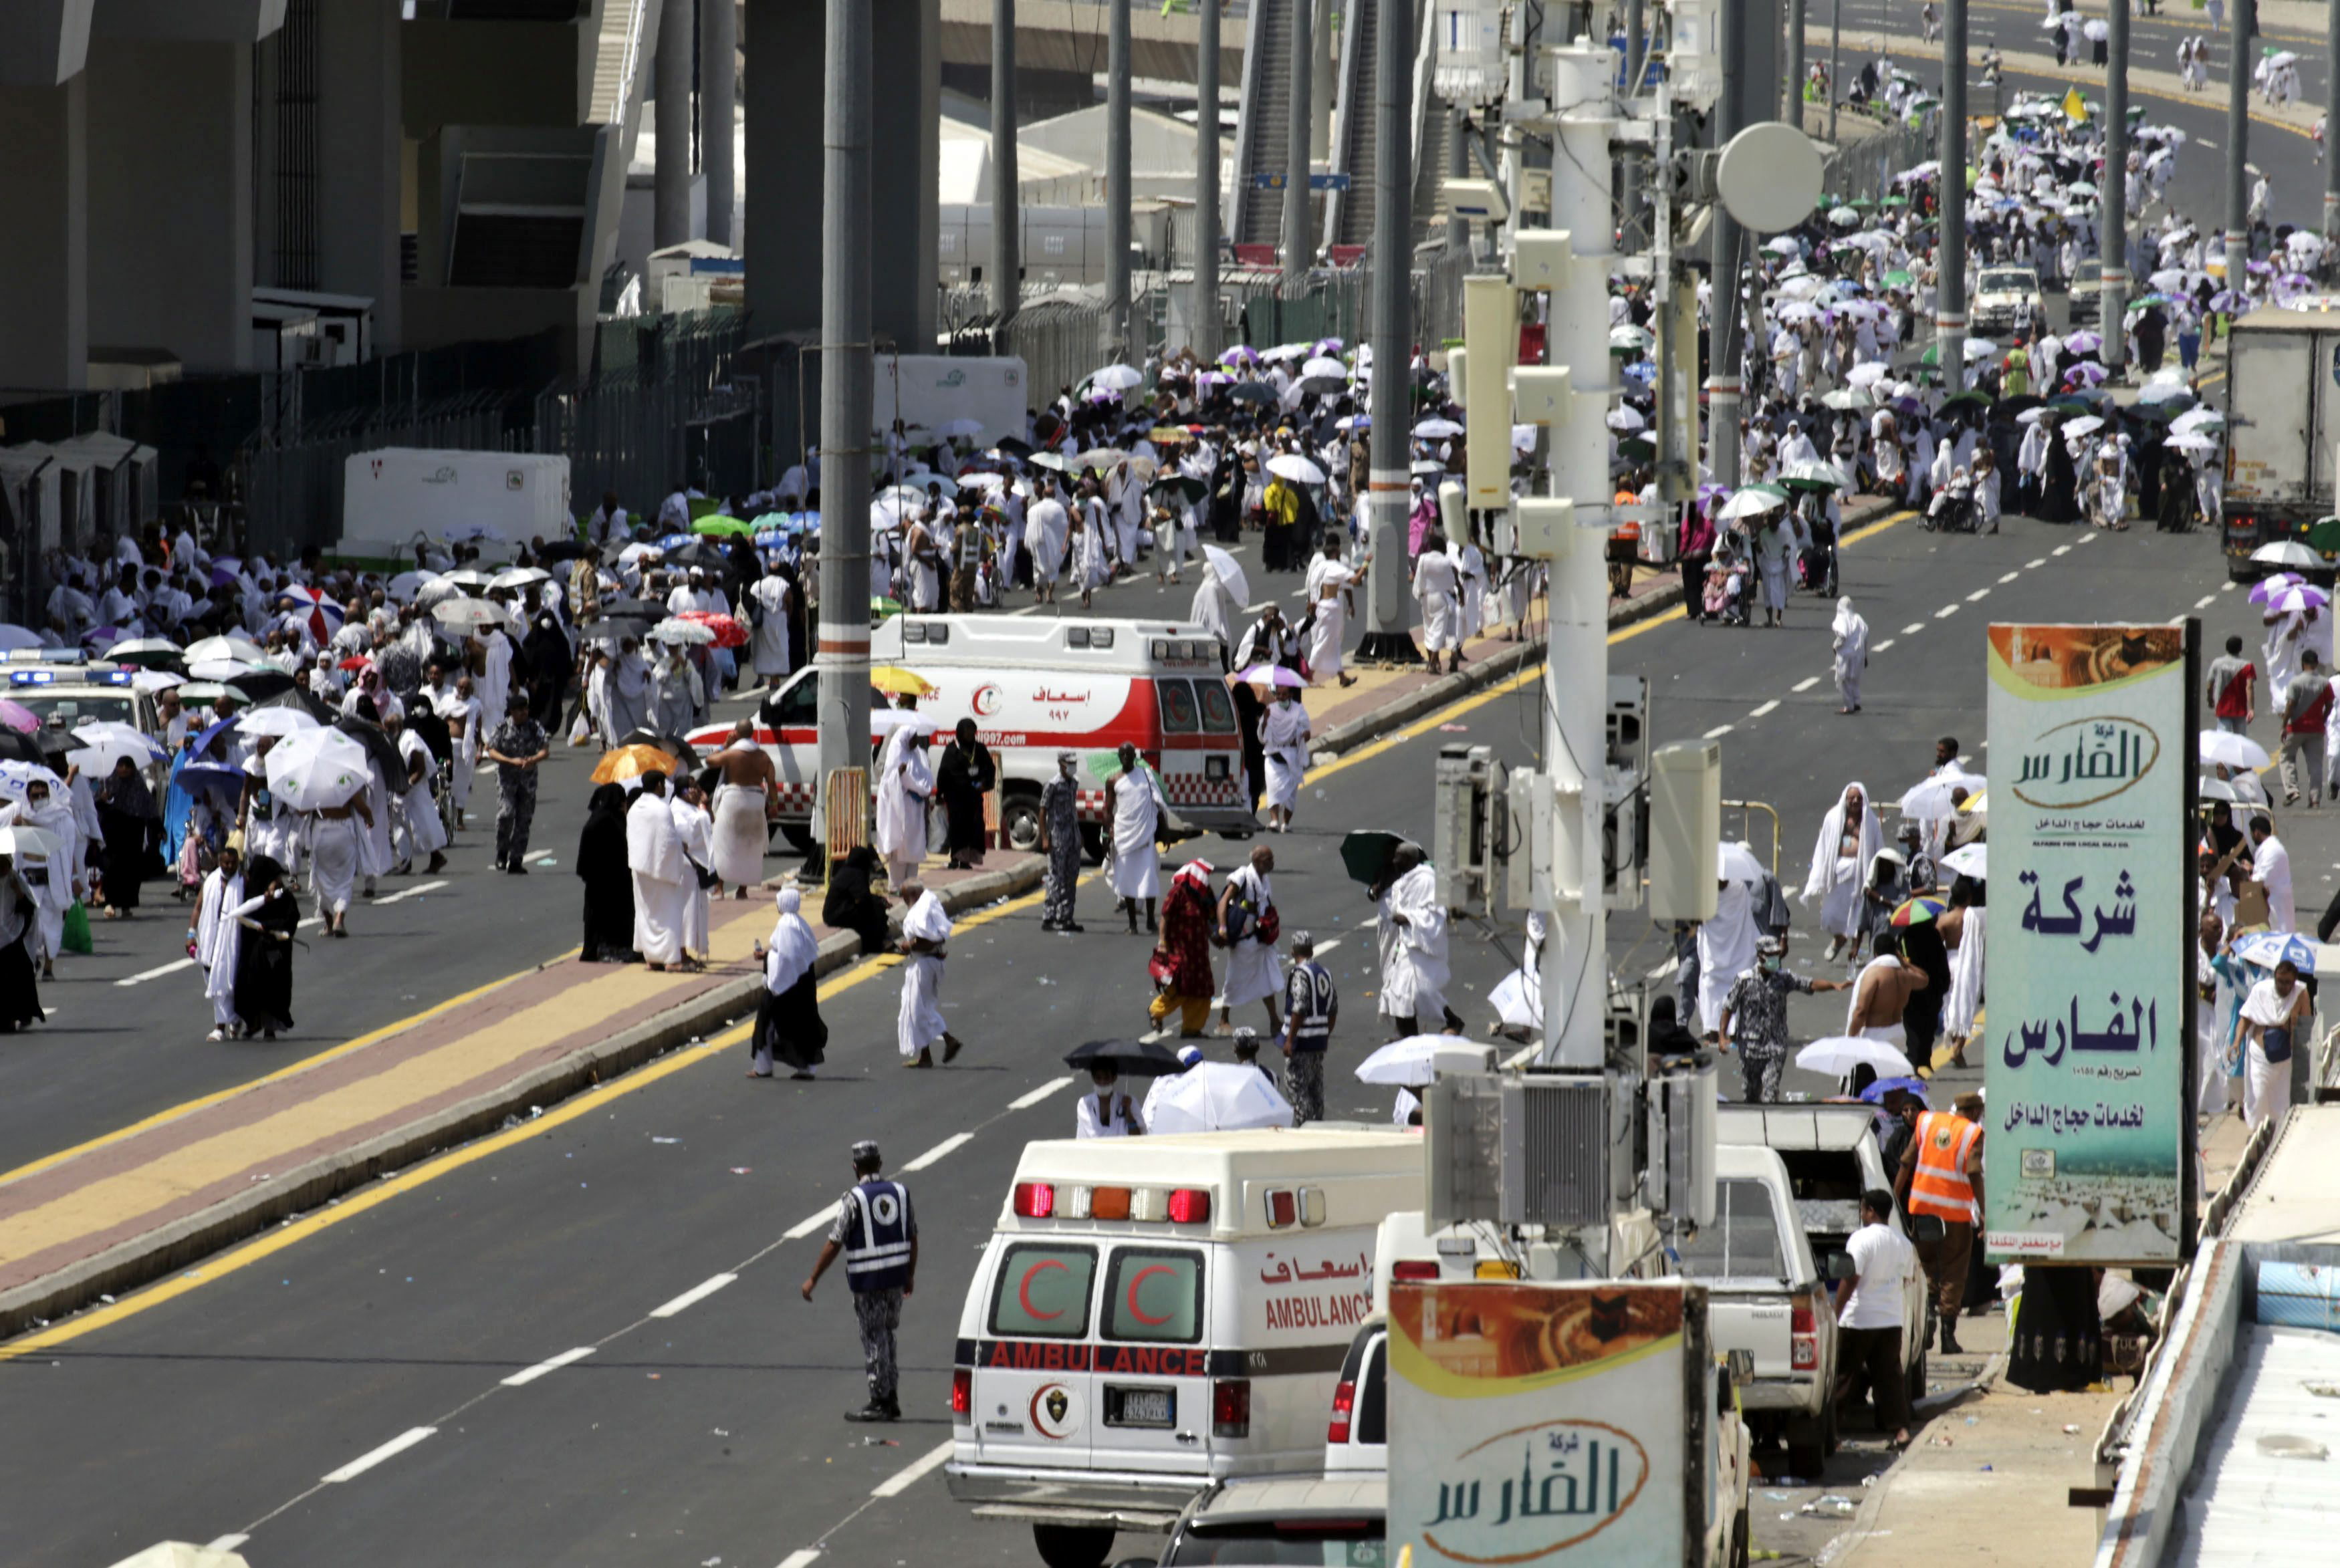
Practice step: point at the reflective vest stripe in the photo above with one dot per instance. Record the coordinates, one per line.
(877, 1252)
(1940, 1185)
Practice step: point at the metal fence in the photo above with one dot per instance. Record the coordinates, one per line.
(1059, 340)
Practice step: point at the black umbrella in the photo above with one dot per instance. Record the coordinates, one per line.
(564, 550)
(261, 683)
(1132, 1057)
(295, 697)
(639, 609)
(1180, 486)
(16, 746)
(673, 745)
(380, 749)
(1365, 855)
(1013, 447)
(699, 552)
(1252, 392)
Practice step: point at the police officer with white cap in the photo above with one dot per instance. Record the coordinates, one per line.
(878, 1236)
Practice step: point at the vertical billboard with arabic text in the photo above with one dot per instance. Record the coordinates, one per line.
(2089, 1004)
(1554, 1425)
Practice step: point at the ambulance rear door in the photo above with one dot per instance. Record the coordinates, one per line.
(1033, 1398)
(1152, 1362)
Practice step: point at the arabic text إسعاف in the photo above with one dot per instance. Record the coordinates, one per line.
(2140, 1029)
(1287, 1270)
(2101, 754)
(1559, 1493)
(2120, 920)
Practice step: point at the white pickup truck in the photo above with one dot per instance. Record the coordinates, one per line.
(1766, 1295)
(1833, 1157)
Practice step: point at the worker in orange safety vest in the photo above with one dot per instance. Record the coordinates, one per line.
(1939, 1187)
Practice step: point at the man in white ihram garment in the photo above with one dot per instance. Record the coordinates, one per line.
(1047, 526)
(1330, 592)
(219, 939)
(1438, 589)
(661, 877)
(1284, 739)
(1412, 943)
(1849, 841)
(1726, 950)
(1134, 807)
(764, 603)
(904, 787)
(692, 825)
(920, 1024)
(1848, 634)
(1254, 972)
(417, 812)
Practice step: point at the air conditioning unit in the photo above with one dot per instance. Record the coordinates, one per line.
(1461, 826)
(1678, 1170)
(1557, 1144)
(1463, 1151)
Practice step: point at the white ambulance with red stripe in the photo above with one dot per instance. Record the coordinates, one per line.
(1035, 685)
(1157, 1314)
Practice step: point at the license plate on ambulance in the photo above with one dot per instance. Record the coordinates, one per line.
(1141, 1406)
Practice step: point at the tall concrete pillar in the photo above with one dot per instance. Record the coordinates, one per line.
(1323, 61)
(1299, 243)
(360, 159)
(718, 82)
(670, 195)
(171, 198)
(905, 177)
(1006, 211)
(44, 266)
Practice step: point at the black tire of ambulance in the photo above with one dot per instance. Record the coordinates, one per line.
(1742, 1543)
(1092, 844)
(1073, 1545)
(1917, 1384)
(799, 837)
(1019, 820)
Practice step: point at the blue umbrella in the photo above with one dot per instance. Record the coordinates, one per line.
(1875, 1092)
(2267, 949)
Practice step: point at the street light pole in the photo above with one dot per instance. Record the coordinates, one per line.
(1202, 332)
(1723, 368)
(1836, 63)
(1388, 634)
(2112, 248)
(1796, 64)
(847, 398)
(2238, 134)
(1116, 176)
(1006, 243)
(1298, 250)
(1950, 287)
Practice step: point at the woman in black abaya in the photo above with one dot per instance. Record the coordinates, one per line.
(20, 991)
(851, 905)
(132, 827)
(609, 888)
(788, 1026)
(264, 961)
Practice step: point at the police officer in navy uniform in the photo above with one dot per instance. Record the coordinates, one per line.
(878, 1236)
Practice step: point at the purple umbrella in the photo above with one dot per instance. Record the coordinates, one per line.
(2268, 586)
(2088, 374)
(2084, 342)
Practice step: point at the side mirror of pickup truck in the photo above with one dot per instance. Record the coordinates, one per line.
(1742, 1366)
(1842, 1266)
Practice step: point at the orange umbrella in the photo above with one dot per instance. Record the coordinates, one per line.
(631, 762)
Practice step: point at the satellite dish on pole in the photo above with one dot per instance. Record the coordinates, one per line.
(1770, 177)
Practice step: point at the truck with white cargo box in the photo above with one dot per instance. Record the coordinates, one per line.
(393, 494)
(932, 391)
(2283, 429)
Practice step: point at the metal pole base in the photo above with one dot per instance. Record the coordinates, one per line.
(1389, 648)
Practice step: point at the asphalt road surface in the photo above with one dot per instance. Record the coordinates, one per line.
(271, 1395)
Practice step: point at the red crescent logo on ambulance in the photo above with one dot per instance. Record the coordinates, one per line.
(1024, 1290)
(1148, 1318)
(985, 701)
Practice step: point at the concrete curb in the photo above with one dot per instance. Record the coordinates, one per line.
(1872, 1500)
(184, 1241)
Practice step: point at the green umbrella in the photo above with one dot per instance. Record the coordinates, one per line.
(711, 525)
(1178, 485)
(881, 605)
(1895, 200)
(2324, 535)
(1641, 448)
(705, 506)
(1778, 492)
(1974, 400)
(1898, 279)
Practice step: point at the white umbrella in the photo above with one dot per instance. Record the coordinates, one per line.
(317, 769)
(1969, 859)
(243, 649)
(2287, 553)
(1229, 573)
(627, 556)
(1274, 675)
(13, 638)
(1428, 466)
(1437, 429)
(2197, 420)
(406, 585)
(1929, 801)
(1749, 503)
(468, 615)
(220, 669)
(467, 577)
(1293, 466)
(2231, 751)
(519, 578)
(2085, 425)
(1868, 373)
(1118, 378)
(2192, 443)
(142, 646)
(278, 722)
(1735, 861)
(1785, 245)
(17, 778)
(97, 761)
(1839, 1055)
(681, 632)
(156, 680)
(1216, 1097)
(22, 840)
(1412, 1062)
(1980, 348)
(1517, 1003)
(438, 590)
(1317, 368)
(1621, 418)
(886, 721)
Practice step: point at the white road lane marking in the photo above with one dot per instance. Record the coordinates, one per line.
(228, 1543)
(693, 1296)
(1978, 595)
(2030, 566)
(2086, 539)
(1045, 1091)
(938, 1152)
(812, 1222)
(1767, 708)
(420, 887)
(910, 1474)
(802, 1557)
(522, 1379)
(1807, 683)
(1021, 610)
(2228, 586)
(1324, 947)
(1913, 628)
(2204, 603)
(2061, 550)
(1946, 612)
(144, 975)
(2008, 577)
(1886, 644)
(1717, 733)
(390, 1450)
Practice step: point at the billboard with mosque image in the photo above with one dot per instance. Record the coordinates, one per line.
(2088, 1002)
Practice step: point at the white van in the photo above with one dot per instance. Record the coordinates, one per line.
(1035, 686)
(1157, 1314)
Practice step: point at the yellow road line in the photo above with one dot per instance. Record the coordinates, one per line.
(298, 1231)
